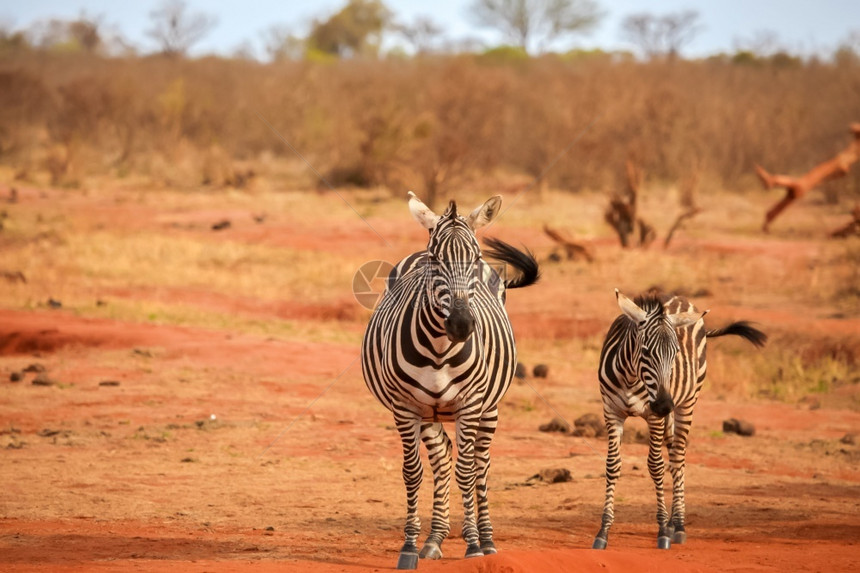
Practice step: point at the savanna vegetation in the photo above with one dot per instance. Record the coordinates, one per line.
(433, 121)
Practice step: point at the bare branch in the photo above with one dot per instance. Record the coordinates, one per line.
(797, 187)
(175, 29)
(572, 250)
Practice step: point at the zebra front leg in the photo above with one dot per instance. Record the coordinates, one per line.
(409, 428)
(440, 452)
(482, 459)
(614, 430)
(677, 463)
(657, 469)
(466, 478)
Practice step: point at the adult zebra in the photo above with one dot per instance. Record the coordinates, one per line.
(439, 347)
(653, 365)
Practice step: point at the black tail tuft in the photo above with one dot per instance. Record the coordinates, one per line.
(743, 329)
(524, 262)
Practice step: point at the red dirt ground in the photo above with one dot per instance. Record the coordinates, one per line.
(105, 488)
(220, 452)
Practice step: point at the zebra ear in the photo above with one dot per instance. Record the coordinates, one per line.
(422, 213)
(685, 318)
(485, 213)
(630, 308)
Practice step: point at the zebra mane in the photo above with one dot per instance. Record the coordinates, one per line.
(451, 211)
(652, 302)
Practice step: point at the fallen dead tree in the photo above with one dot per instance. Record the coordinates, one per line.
(688, 203)
(621, 214)
(573, 251)
(797, 187)
(850, 228)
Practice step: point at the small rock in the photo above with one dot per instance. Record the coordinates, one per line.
(34, 368)
(47, 433)
(221, 225)
(43, 380)
(16, 376)
(13, 276)
(520, 372)
(552, 475)
(270, 528)
(54, 303)
(850, 439)
(739, 427)
(589, 426)
(541, 371)
(109, 383)
(187, 460)
(636, 436)
(555, 425)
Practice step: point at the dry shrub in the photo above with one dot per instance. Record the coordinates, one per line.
(433, 122)
(792, 366)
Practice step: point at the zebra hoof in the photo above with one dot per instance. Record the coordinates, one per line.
(488, 548)
(664, 543)
(599, 543)
(430, 551)
(680, 537)
(407, 561)
(474, 550)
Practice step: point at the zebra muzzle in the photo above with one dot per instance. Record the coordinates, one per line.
(460, 323)
(662, 404)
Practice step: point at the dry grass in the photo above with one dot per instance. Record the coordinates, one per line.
(431, 124)
(151, 257)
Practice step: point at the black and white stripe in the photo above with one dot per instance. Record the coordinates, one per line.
(653, 365)
(439, 347)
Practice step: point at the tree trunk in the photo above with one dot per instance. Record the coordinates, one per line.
(797, 187)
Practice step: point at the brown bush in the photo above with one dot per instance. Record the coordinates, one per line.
(432, 122)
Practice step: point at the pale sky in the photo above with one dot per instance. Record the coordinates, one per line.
(802, 26)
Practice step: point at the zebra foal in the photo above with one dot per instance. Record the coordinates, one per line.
(439, 347)
(653, 365)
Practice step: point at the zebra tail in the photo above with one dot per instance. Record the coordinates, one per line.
(524, 262)
(743, 329)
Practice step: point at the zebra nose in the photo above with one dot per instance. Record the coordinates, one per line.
(460, 324)
(663, 404)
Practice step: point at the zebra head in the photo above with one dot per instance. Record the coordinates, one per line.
(454, 261)
(655, 347)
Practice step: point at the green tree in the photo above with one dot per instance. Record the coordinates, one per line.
(85, 34)
(525, 21)
(353, 31)
(280, 44)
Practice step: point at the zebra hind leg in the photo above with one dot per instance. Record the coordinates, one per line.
(614, 429)
(482, 459)
(440, 452)
(408, 428)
